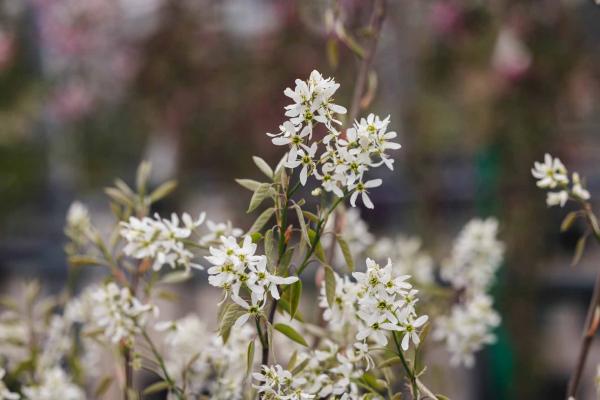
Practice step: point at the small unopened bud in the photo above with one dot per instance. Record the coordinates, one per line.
(316, 192)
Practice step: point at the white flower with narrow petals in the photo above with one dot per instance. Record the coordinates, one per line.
(557, 198)
(578, 190)
(361, 188)
(551, 173)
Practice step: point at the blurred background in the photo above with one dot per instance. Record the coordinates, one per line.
(477, 90)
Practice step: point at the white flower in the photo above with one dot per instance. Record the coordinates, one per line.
(252, 310)
(578, 190)
(293, 136)
(119, 313)
(6, 394)
(557, 198)
(476, 255)
(261, 280)
(343, 158)
(54, 384)
(361, 188)
(551, 173)
(217, 230)
(278, 383)
(410, 333)
(161, 240)
(467, 329)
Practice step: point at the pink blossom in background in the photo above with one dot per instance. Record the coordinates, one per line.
(7, 49)
(445, 17)
(71, 102)
(511, 58)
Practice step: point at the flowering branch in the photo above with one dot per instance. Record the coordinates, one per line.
(552, 176)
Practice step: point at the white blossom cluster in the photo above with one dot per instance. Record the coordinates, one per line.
(13, 336)
(331, 372)
(408, 258)
(199, 361)
(553, 176)
(119, 313)
(54, 384)
(476, 255)
(378, 302)
(161, 239)
(235, 266)
(277, 383)
(468, 328)
(344, 158)
(6, 394)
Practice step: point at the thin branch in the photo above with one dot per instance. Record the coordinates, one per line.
(377, 18)
(592, 318)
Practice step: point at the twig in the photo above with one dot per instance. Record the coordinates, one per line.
(376, 23)
(591, 326)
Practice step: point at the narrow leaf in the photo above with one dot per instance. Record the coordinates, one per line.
(156, 387)
(249, 184)
(302, 223)
(329, 285)
(295, 295)
(262, 192)
(103, 386)
(176, 277)
(346, 252)
(262, 220)
(230, 315)
(291, 333)
(568, 221)
(250, 357)
(263, 166)
(119, 197)
(163, 191)
(579, 248)
(284, 306)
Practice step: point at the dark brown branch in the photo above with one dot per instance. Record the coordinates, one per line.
(377, 18)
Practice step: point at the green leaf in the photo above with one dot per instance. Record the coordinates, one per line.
(270, 250)
(302, 223)
(346, 252)
(231, 312)
(579, 249)
(119, 197)
(249, 184)
(442, 397)
(250, 357)
(292, 360)
(262, 192)
(319, 253)
(263, 166)
(389, 362)
(157, 387)
(163, 191)
(176, 277)
(313, 217)
(329, 285)
(291, 333)
(374, 383)
(142, 175)
(295, 295)
(568, 221)
(256, 237)
(103, 386)
(333, 52)
(262, 220)
(284, 305)
(300, 367)
(285, 261)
